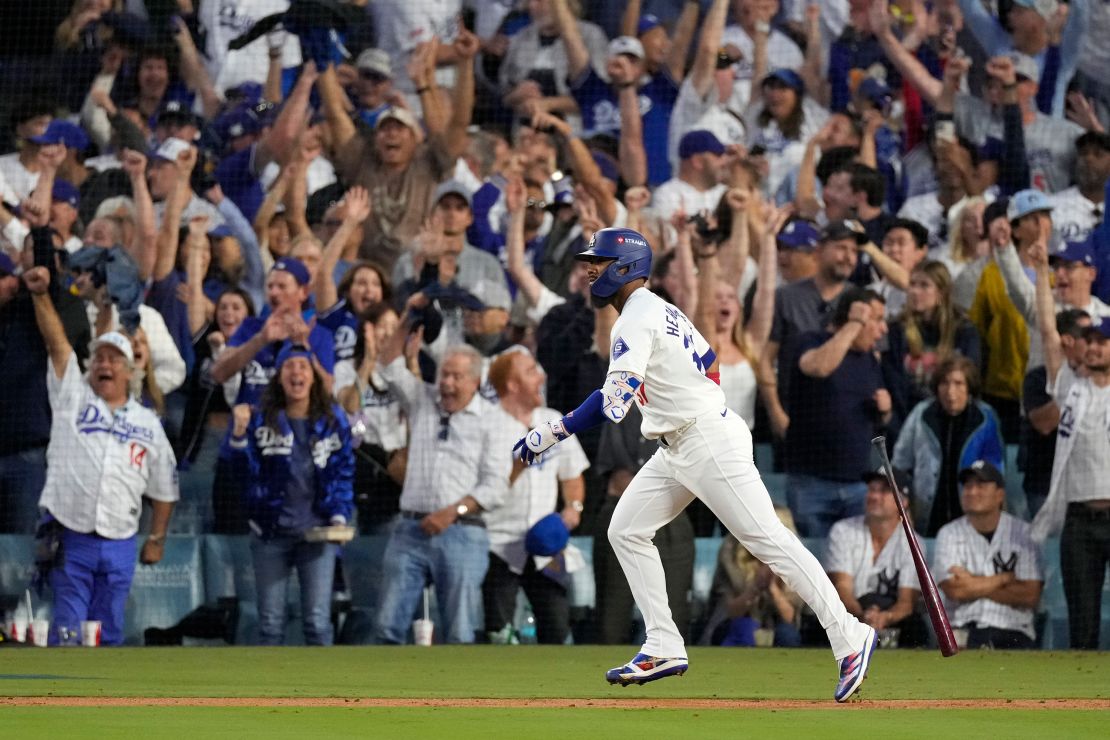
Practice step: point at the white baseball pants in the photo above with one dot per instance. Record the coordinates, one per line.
(713, 460)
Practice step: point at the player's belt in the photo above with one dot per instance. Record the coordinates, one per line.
(671, 438)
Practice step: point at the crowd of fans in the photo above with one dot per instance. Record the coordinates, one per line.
(342, 248)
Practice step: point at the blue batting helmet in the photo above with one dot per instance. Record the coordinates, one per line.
(632, 254)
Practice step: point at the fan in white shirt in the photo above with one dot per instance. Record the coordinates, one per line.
(698, 187)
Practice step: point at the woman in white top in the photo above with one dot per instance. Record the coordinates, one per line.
(719, 315)
(781, 119)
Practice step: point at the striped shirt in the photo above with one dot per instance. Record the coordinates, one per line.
(1010, 549)
(1087, 466)
(850, 550)
(100, 463)
(451, 455)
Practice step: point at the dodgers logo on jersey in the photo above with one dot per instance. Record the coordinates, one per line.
(91, 421)
(619, 347)
(272, 443)
(345, 339)
(323, 448)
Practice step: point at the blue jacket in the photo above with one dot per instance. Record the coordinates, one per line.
(919, 451)
(261, 458)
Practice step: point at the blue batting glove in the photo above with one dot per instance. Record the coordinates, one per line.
(539, 440)
(522, 453)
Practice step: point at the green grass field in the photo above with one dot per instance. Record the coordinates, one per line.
(522, 673)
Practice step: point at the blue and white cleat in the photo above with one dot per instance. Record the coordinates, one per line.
(853, 669)
(644, 668)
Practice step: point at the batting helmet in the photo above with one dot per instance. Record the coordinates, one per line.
(632, 254)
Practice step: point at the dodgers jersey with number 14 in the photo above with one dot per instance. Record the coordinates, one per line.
(655, 341)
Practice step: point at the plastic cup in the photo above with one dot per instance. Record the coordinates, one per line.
(90, 633)
(422, 632)
(41, 630)
(19, 629)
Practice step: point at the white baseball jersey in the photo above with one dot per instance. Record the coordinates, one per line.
(101, 463)
(850, 550)
(534, 494)
(654, 340)
(1010, 549)
(223, 21)
(1073, 216)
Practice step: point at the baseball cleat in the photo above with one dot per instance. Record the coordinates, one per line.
(853, 669)
(644, 668)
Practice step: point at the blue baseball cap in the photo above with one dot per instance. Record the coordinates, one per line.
(179, 112)
(7, 267)
(699, 141)
(1101, 330)
(1025, 202)
(798, 234)
(61, 131)
(237, 122)
(220, 230)
(294, 267)
(787, 77)
(65, 192)
(876, 91)
(647, 22)
(547, 537)
(1082, 252)
(289, 350)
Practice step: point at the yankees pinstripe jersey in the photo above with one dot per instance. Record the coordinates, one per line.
(654, 340)
(1010, 549)
(850, 550)
(101, 463)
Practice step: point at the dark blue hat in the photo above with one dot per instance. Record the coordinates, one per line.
(787, 77)
(220, 230)
(61, 131)
(1101, 330)
(1083, 252)
(699, 141)
(289, 350)
(65, 192)
(547, 537)
(610, 170)
(984, 471)
(177, 111)
(647, 22)
(237, 122)
(294, 267)
(799, 234)
(876, 91)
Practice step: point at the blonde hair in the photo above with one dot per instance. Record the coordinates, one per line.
(959, 251)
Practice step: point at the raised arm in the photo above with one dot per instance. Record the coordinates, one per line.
(37, 280)
(356, 209)
(578, 56)
(633, 157)
(902, 59)
(282, 138)
(586, 171)
(466, 46)
(198, 307)
(521, 273)
(705, 61)
(144, 248)
(169, 235)
(335, 110)
(630, 19)
(192, 70)
(895, 273)
(758, 328)
(684, 29)
(1046, 312)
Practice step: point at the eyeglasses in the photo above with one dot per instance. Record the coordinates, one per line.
(444, 427)
(538, 205)
(375, 77)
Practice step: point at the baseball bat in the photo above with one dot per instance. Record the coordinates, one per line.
(939, 617)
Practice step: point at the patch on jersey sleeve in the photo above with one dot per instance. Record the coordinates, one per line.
(619, 347)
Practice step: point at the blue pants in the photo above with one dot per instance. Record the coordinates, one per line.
(91, 584)
(455, 561)
(315, 563)
(817, 503)
(22, 476)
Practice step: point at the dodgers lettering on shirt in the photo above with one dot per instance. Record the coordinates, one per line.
(343, 325)
(92, 421)
(601, 113)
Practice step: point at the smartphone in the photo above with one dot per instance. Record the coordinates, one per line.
(946, 131)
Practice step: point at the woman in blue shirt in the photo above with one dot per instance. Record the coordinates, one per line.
(296, 464)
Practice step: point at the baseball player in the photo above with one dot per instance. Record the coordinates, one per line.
(659, 359)
(106, 452)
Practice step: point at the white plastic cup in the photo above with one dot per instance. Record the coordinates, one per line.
(41, 630)
(90, 633)
(422, 632)
(19, 629)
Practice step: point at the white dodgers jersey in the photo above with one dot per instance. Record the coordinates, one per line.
(655, 341)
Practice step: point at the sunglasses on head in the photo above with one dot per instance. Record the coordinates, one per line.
(444, 427)
(537, 204)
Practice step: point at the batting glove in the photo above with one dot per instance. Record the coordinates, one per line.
(539, 440)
